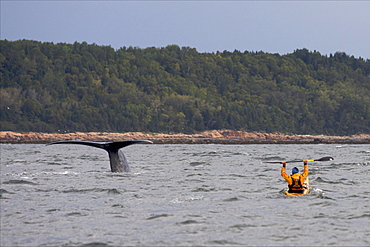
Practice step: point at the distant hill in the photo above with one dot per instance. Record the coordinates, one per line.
(48, 87)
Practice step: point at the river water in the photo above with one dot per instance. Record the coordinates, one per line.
(182, 195)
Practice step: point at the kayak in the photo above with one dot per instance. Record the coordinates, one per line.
(305, 191)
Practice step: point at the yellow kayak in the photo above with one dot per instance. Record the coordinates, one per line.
(305, 191)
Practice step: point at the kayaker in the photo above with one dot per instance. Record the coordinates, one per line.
(296, 180)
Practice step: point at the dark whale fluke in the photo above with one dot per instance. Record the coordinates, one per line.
(118, 162)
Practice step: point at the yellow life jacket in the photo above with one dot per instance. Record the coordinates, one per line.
(296, 182)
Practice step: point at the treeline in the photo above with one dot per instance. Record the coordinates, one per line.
(85, 87)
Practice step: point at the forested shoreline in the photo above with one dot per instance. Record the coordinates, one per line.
(47, 87)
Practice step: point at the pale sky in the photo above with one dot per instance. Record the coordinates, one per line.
(209, 26)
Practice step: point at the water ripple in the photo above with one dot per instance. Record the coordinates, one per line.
(16, 181)
(182, 195)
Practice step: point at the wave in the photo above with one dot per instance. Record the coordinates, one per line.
(156, 216)
(16, 181)
(198, 163)
(2, 192)
(187, 199)
(339, 181)
(231, 199)
(188, 222)
(94, 244)
(99, 190)
(224, 242)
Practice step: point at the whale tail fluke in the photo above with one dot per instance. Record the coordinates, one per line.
(118, 161)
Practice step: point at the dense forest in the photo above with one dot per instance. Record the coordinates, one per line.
(47, 87)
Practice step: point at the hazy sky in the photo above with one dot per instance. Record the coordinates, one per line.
(209, 26)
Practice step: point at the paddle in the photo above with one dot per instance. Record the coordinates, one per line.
(291, 161)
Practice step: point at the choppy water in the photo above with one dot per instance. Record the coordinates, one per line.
(184, 195)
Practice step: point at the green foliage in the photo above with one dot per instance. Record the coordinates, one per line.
(82, 87)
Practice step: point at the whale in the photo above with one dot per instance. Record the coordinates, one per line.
(118, 161)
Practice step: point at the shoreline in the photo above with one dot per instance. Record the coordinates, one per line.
(206, 137)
